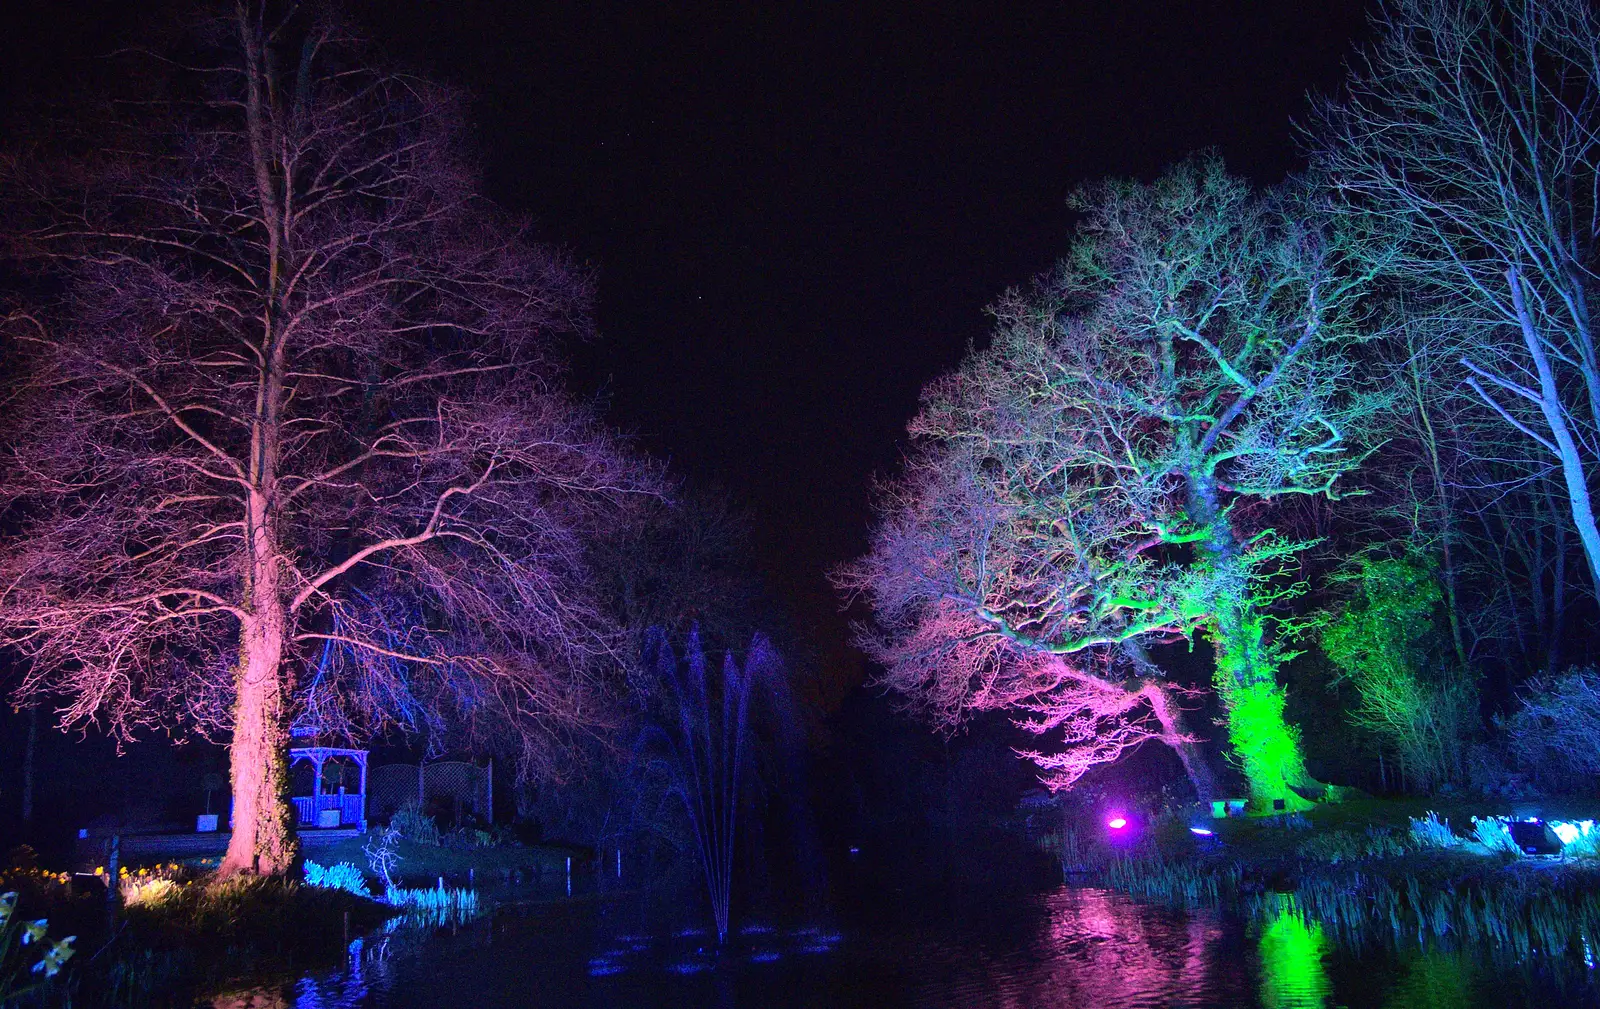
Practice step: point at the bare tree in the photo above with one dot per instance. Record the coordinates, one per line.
(1092, 480)
(291, 431)
(1470, 135)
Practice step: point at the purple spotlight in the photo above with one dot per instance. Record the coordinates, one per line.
(1117, 822)
(1200, 831)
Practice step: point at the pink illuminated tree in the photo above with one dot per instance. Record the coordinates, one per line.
(287, 428)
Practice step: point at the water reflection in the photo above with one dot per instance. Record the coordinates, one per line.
(1435, 980)
(1104, 949)
(1293, 951)
(1069, 947)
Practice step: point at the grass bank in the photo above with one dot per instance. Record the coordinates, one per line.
(421, 864)
(1362, 872)
(181, 935)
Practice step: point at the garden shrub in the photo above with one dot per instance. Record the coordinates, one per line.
(415, 826)
(1554, 735)
(1411, 700)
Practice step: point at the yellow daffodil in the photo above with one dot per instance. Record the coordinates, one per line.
(58, 954)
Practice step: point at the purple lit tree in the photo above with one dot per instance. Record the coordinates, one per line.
(286, 396)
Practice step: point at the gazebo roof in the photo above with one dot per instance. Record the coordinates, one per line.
(318, 752)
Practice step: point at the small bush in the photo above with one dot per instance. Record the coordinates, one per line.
(1554, 734)
(415, 826)
(1492, 833)
(148, 892)
(260, 911)
(381, 854)
(152, 884)
(343, 876)
(1430, 832)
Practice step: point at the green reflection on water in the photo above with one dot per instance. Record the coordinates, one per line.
(1293, 972)
(1433, 981)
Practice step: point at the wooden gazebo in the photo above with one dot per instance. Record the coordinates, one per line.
(312, 810)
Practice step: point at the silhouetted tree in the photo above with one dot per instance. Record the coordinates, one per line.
(289, 398)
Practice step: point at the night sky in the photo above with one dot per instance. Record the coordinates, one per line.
(798, 212)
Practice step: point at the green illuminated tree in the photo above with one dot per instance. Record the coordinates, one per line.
(1384, 642)
(1098, 477)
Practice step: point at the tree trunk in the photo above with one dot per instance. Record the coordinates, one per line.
(1447, 524)
(1175, 735)
(263, 839)
(28, 756)
(1265, 745)
(1574, 471)
(1558, 593)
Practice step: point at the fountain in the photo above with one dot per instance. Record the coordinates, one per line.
(706, 733)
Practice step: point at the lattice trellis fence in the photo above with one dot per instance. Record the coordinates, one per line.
(454, 788)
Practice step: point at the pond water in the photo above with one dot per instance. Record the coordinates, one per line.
(904, 946)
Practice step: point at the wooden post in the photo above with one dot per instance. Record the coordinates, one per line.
(27, 766)
(316, 788)
(363, 761)
(113, 890)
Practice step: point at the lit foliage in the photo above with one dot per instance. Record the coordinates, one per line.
(1493, 833)
(1384, 642)
(1579, 838)
(288, 402)
(343, 876)
(1084, 482)
(1429, 831)
(442, 905)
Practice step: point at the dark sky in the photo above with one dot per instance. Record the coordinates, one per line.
(799, 211)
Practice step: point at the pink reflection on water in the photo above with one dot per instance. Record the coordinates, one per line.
(1094, 948)
(1106, 950)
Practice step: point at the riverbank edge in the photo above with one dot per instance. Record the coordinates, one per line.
(1456, 895)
